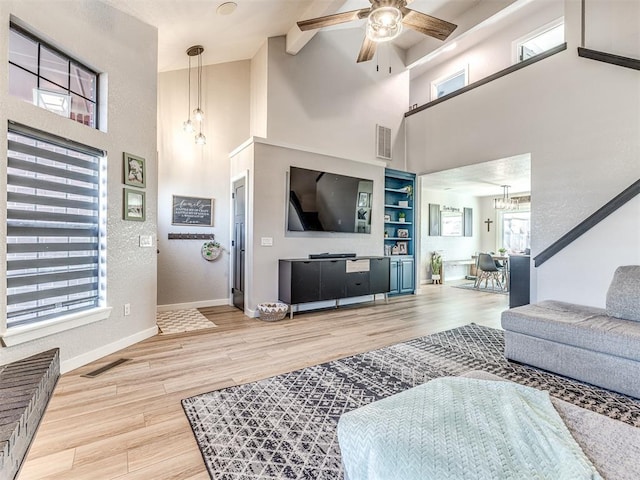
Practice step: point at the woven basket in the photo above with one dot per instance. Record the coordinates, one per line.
(271, 312)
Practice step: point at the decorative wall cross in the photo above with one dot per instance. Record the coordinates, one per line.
(488, 221)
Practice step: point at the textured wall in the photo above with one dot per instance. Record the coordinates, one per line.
(184, 168)
(322, 100)
(103, 38)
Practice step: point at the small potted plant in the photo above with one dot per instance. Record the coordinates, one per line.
(401, 217)
(502, 251)
(409, 191)
(436, 267)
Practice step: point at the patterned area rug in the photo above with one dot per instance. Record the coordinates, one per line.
(487, 289)
(180, 321)
(284, 427)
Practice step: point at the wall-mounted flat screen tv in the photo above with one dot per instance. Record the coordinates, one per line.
(327, 202)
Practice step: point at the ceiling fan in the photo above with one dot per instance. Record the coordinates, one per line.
(385, 20)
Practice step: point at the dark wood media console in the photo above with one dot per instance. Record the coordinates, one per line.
(314, 280)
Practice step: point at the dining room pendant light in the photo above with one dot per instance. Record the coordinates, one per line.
(505, 202)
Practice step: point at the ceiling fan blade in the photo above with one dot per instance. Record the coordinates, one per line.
(426, 24)
(367, 51)
(335, 19)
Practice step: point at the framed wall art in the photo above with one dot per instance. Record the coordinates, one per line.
(134, 171)
(133, 205)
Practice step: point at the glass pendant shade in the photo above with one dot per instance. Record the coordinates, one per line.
(198, 114)
(201, 139)
(188, 126)
(384, 24)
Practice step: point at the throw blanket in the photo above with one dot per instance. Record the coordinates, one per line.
(461, 428)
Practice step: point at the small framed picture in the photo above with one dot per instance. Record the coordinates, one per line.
(387, 218)
(134, 172)
(402, 248)
(133, 205)
(363, 199)
(362, 214)
(403, 233)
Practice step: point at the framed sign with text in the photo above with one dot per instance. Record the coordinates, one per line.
(193, 211)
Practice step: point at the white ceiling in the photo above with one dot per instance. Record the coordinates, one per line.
(484, 179)
(227, 38)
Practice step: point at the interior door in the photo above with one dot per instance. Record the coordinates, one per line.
(238, 243)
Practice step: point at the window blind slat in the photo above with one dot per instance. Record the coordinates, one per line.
(58, 157)
(27, 199)
(63, 173)
(50, 293)
(50, 247)
(37, 215)
(30, 182)
(70, 306)
(26, 280)
(39, 231)
(50, 262)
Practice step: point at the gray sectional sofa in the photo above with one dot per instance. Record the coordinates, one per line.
(593, 345)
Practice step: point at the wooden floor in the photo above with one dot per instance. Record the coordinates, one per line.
(128, 422)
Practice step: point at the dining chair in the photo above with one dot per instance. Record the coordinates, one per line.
(487, 269)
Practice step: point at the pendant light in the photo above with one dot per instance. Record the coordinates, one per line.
(506, 202)
(187, 126)
(198, 113)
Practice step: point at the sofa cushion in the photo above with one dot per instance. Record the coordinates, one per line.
(585, 327)
(623, 296)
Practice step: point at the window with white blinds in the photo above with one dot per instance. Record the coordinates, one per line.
(55, 233)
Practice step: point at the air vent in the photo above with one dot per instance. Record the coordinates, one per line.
(383, 142)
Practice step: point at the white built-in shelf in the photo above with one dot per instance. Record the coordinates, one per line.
(397, 238)
(398, 206)
(396, 190)
(397, 223)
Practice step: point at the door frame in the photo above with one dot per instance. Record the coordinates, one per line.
(248, 251)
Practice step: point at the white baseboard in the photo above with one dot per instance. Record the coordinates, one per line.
(85, 358)
(185, 306)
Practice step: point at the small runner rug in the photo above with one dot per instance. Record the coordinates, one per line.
(487, 289)
(284, 427)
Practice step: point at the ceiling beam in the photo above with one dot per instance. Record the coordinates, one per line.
(296, 38)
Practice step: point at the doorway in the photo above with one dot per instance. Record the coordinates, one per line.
(473, 188)
(238, 201)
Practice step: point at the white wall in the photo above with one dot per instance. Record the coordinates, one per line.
(488, 55)
(268, 197)
(613, 30)
(103, 38)
(185, 279)
(321, 99)
(584, 148)
(259, 89)
(451, 248)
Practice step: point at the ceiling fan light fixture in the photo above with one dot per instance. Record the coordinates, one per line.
(384, 24)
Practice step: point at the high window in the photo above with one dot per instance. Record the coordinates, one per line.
(540, 40)
(449, 83)
(42, 75)
(55, 227)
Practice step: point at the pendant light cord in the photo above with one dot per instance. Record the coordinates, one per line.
(199, 78)
(189, 104)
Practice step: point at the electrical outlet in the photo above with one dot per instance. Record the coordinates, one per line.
(127, 309)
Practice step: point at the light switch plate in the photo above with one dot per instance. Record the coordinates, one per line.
(146, 240)
(266, 241)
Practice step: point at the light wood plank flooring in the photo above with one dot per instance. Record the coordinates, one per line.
(128, 422)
